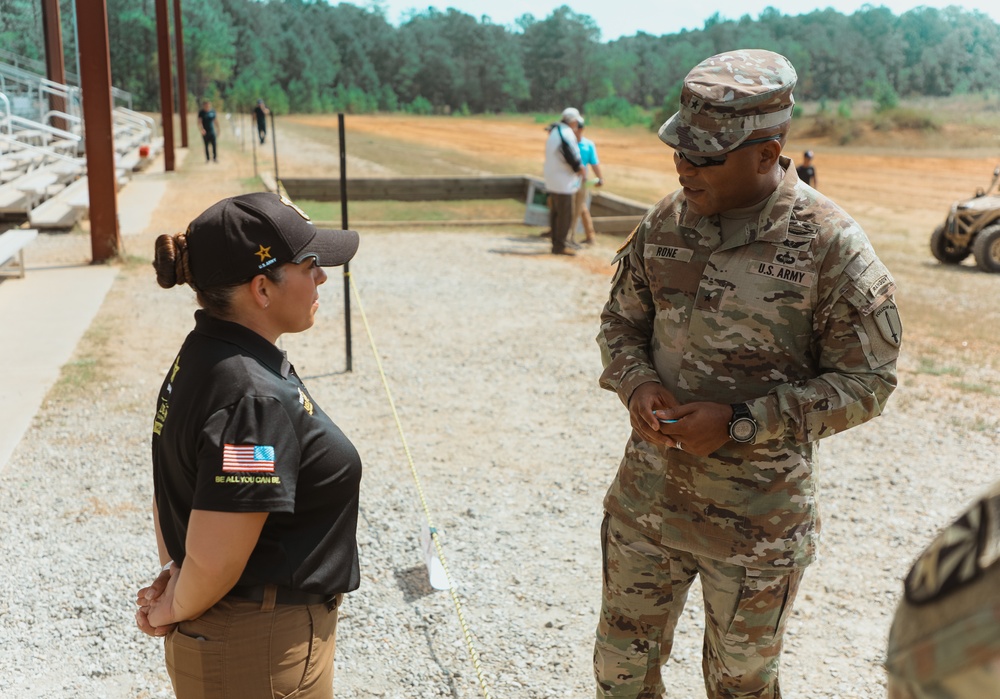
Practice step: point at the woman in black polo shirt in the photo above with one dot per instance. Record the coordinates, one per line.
(255, 489)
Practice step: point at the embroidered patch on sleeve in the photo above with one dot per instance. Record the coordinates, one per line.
(304, 401)
(629, 239)
(247, 457)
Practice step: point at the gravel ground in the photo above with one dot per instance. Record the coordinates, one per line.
(488, 347)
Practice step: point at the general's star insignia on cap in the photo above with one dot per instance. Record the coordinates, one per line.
(289, 203)
(264, 253)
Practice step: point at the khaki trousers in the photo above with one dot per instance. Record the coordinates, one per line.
(645, 587)
(582, 213)
(241, 649)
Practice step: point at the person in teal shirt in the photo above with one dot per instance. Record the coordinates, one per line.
(581, 202)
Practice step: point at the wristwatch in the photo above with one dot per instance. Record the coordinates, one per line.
(742, 427)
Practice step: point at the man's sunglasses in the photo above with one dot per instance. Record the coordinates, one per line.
(711, 160)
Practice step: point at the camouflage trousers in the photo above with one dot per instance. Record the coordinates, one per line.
(645, 587)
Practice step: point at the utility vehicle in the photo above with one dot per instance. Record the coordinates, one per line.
(972, 228)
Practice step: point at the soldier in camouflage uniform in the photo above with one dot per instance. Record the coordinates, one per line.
(748, 318)
(945, 639)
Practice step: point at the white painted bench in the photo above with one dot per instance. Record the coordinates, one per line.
(65, 146)
(64, 209)
(12, 244)
(33, 136)
(14, 201)
(128, 161)
(21, 195)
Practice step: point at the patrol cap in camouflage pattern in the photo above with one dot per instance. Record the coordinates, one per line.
(727, 97)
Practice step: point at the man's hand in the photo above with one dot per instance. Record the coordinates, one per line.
(700, 428)
(648, 397)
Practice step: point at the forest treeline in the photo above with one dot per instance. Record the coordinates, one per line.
(312, 56)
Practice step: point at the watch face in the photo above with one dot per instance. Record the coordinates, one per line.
(743, 430)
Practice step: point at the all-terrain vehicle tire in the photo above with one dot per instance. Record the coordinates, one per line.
(986, 248)
(944, 251)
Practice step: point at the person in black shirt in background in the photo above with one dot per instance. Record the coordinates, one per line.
(806, 171)
(260, 113)
(206, 124)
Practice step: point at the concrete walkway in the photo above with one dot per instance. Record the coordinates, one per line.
(45, 314)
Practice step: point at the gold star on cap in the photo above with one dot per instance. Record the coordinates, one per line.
(263, 253)
(289, 203)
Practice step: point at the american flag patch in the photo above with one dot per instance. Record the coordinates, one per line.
(247, 457)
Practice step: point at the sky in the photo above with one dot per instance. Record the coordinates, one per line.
(618, 18)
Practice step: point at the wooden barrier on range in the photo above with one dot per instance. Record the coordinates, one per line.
(611, 214)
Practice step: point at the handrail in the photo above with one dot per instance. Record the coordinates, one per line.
(53, 85)
(60, 115)
(48, 155)
(44, 151)
(31, 79)
(71, 96)
(133, 116)
(29, 82)
(37, 125)
(72, 91)
(24, 75)
(10, 128)
(33, 65)
(29, 88)
(123, 95)
(14, 58)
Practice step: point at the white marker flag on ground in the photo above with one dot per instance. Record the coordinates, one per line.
(435, 571)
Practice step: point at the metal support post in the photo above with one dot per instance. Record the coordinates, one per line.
(95, 79)
(166, 83)
(181, 73)
(344, 225)
(55, 66)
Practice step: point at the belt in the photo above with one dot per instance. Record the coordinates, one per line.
(283, 595)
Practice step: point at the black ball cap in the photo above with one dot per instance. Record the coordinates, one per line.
(241, 237)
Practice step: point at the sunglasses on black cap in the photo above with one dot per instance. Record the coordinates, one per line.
(711, 160)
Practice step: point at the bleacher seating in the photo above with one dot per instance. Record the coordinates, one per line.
(42, 177)
(12, 244)
(64, 209)
(19, 196)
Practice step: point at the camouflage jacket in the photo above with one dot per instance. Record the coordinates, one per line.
(945, 636)
(796, 318)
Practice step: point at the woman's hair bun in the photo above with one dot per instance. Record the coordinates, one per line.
(170, 260)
